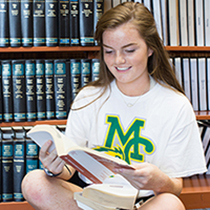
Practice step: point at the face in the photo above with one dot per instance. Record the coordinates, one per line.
(126, 55)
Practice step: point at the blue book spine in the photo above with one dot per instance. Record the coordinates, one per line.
(95, 68)
(0, 165)
(85, 71)
(30, 77)
(60, 84)
(74, 23)
(19, 99)
(1, 97)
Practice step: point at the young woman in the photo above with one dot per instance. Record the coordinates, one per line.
(136, 111)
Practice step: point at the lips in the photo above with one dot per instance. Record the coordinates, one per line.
(122, 68)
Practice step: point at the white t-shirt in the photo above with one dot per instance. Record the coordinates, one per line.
(159, 127)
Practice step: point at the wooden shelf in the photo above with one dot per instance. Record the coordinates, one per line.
(15, 206)
(202, 115)
(48, 49)
(188, 48)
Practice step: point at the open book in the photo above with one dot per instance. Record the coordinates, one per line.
(94, 165)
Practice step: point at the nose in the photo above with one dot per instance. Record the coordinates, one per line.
(119, 58)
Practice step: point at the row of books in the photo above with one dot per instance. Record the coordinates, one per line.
(18, 156)
(194, 76)
(181, 22)
(42, 89)
(49, 22)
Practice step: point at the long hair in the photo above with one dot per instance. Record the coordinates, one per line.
(158, 65)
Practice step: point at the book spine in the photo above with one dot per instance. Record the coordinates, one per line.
(18, 163)
(40, 89)
(75, 67)
(98, 9)
(95, 68)
(4, 26)
(7, 91)
(51, 22)
(60, 88)
(49, 86)
(27, 22)
(86, 22)
(30, 77)
(74, 23)
(1, 97)
(7, 165)
(19, 99)
(39, 38)
(14, 23)
(0, 165)
(64, 22)
(85, 71)
(68, 86)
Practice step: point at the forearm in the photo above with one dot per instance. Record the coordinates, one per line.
(170, 185)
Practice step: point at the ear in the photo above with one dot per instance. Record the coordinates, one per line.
(150, 52)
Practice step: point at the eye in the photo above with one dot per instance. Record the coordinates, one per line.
(130, 50)
(108, 51)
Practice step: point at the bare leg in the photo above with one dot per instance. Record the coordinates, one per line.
(47, 193)
(165, 201)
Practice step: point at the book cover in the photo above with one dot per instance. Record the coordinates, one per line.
(14, 23)
(194, 82)
(74, 23)
(186, 77)
(32, 151)
(60, 88)
(191, 22)
(199, 22)
(49, 89)
(7, 164)
(51, 22)
(4, 26)
(164, 15)
(19, 89)
(40, 89)
(86, 22)
(183, 22)
(75, 67)
(85, 71)
(18, 162)
(96, 166)
(30, 77)
(39, 36)
(27, 23)
(98, 10)
(64, 22)
(95, 68)
(202, 84)
(178, 70)
(207, 23)
(7, 90)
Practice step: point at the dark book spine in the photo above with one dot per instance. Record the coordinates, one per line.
(74, 23)
(0, 165)
(7, 91)
(32, 152)
(14, 23)
(68, 86)
(30, 77)
(40, 90)
(86, 22)
(51, 22)
(64, 23)
(4, 20)
(95, 68)
(49, 86)
(60, 88)
(7, 164)
(75, 76)
(19, 99)
(98, 10)
(85, 71)
(27, 22)
(39, 38)
(18, 162)
(1, 97)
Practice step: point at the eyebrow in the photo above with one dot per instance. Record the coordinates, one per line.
(128, 45)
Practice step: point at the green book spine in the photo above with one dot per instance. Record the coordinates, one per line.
(60, 88)
(49, 86)
(7, 164)
(19, 99)
(7, 91)
(18, 162)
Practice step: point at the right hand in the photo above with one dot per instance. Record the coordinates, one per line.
(51, 161)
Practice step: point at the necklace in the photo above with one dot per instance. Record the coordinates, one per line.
(130, 104)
